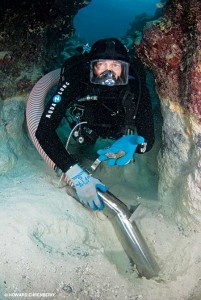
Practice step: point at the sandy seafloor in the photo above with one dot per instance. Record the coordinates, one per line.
(52, 244)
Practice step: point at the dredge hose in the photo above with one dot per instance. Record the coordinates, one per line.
(127, 231)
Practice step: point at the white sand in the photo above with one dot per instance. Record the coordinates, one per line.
(51, 244)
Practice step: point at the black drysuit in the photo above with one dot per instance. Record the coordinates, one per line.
(115, 110)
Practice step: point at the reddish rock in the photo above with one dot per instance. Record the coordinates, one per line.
(172, 49)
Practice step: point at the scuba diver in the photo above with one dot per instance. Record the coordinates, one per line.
(105, 92)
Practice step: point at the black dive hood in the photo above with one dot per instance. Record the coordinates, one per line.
(110, 48)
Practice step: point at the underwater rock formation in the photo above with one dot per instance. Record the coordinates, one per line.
(32, 35)
(171, 48)
(12, 132)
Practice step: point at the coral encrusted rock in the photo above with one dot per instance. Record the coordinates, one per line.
(171, 48)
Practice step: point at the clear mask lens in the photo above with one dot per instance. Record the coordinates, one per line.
(109, 72)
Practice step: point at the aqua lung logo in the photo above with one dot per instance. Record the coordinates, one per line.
(56, 99)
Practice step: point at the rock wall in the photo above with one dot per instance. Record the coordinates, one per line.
(32, 37)
(171, 48)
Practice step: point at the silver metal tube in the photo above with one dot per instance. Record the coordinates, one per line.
(128, 234)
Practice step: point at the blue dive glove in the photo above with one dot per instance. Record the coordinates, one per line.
(86, 187)
(121, 151)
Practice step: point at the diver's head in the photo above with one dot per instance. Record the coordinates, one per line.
(109, 63)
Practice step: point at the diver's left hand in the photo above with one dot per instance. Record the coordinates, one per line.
(121, 152)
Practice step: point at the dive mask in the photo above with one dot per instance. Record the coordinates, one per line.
(109, 72)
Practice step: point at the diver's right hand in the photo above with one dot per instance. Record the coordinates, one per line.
(86, 187)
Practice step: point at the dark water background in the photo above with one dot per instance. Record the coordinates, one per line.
(107, 18)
